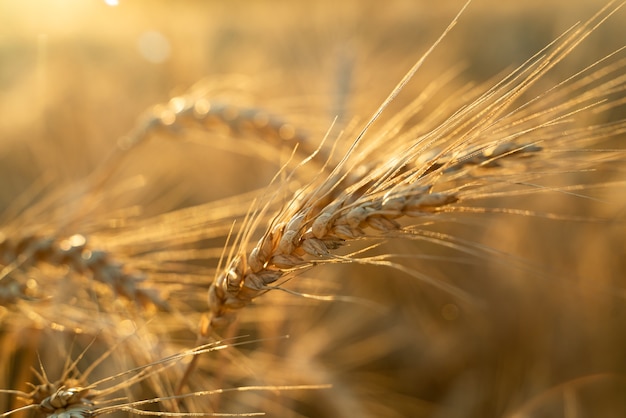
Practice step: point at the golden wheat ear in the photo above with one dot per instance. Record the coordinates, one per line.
(214, 116)
(215, 121)
(483, 134)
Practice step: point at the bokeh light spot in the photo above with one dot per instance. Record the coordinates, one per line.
(154, 47)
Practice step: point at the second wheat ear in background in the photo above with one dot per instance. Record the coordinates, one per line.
(429, 173)
(75, 253)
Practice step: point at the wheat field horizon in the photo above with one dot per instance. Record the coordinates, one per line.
(310, 210)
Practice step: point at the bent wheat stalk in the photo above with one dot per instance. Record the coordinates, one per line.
(427, 171)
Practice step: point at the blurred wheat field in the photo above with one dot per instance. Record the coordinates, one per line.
(506, 298)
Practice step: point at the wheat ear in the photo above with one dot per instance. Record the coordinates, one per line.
(419, 177)
(214, 115)
(75, 253)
